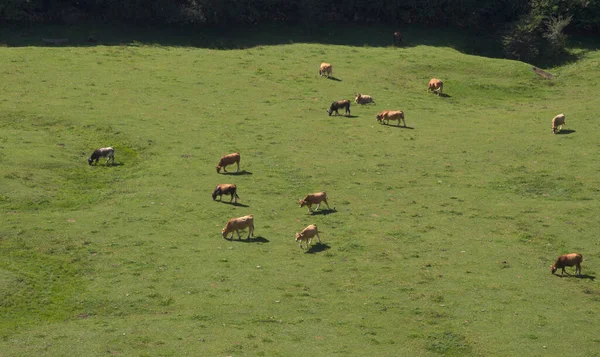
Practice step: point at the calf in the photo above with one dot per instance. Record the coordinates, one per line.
(235, 224)
(325, 70)
(108, 152)
(339, 105)
(229, 160)
(436, 86)
(363, 99)
(568, 260)
(307, 235)
(314, 198)
(557, 123)
(388, 115)
(225, 189)
(397, 38)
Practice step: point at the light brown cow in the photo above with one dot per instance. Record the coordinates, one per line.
(235, 224)
(225, 189)
(363, 99)
(388, 115)
(307, 235)
(568, 260)
(326, 70)
(314, 199)
(557, 123)
(436, 86)
(229, 160)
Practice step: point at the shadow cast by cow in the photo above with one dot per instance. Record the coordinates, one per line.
(258, 239)
(399, 127)
(110, 164)
(238, 173)
(348, 116)
(319, 247)
(334, 79)
(323, 212)
(237, 204)
(444, 95)
(565, 132)
(581, 276)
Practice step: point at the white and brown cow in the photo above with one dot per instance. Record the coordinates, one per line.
(436, 86)
(387, 115)
(326, 70)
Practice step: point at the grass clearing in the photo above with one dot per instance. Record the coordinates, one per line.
(442, 239)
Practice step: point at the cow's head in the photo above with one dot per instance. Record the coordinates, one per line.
(298, 236)
(302, 203)
(224, 233)
(553, 268)
(219, 169)
(90, 160)
(330, 111)
(214, 194)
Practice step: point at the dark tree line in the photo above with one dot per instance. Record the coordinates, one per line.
(528, 26)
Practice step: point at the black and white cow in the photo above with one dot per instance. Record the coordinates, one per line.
(108, 153)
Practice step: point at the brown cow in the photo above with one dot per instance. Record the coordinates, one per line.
(235, 224)
(568, 260)
(557, 123)
(307, 235)
(363, 99)
(326, 69)
(225, 189)
(339, 105)
(388, 115)
(314, 199)
(436, 86)
(229, 160)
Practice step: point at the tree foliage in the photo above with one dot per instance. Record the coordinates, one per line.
(530, 25)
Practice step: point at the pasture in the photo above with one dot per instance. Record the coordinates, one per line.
(440, 245)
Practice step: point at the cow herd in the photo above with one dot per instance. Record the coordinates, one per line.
(307, 234)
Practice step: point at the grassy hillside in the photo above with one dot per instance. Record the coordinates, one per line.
(442, 239)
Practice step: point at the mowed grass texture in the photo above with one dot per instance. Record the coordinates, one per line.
(442, 239)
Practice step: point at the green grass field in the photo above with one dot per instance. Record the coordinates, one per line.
(444, 232)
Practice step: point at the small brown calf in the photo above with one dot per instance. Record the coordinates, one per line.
(314, 199)
(307, 235)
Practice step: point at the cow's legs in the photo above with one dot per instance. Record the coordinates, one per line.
(318, 205)
(238, 232)
(238, 167)
(319, 238)
(327, 204)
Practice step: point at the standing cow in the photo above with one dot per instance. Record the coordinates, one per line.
(436, 86)
(229, 160)
(108, 153)
(340, 104)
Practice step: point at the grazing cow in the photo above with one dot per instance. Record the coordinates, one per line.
(388, 115)
(363, 99)
(108, 153)
(397, 38)
(235, 224)
(568, 260)
(557, 123)
(314, 199)
(225, 189)
(229, 160)
(326, 70)
(339, 105)
(307, 235)
(436, 86)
